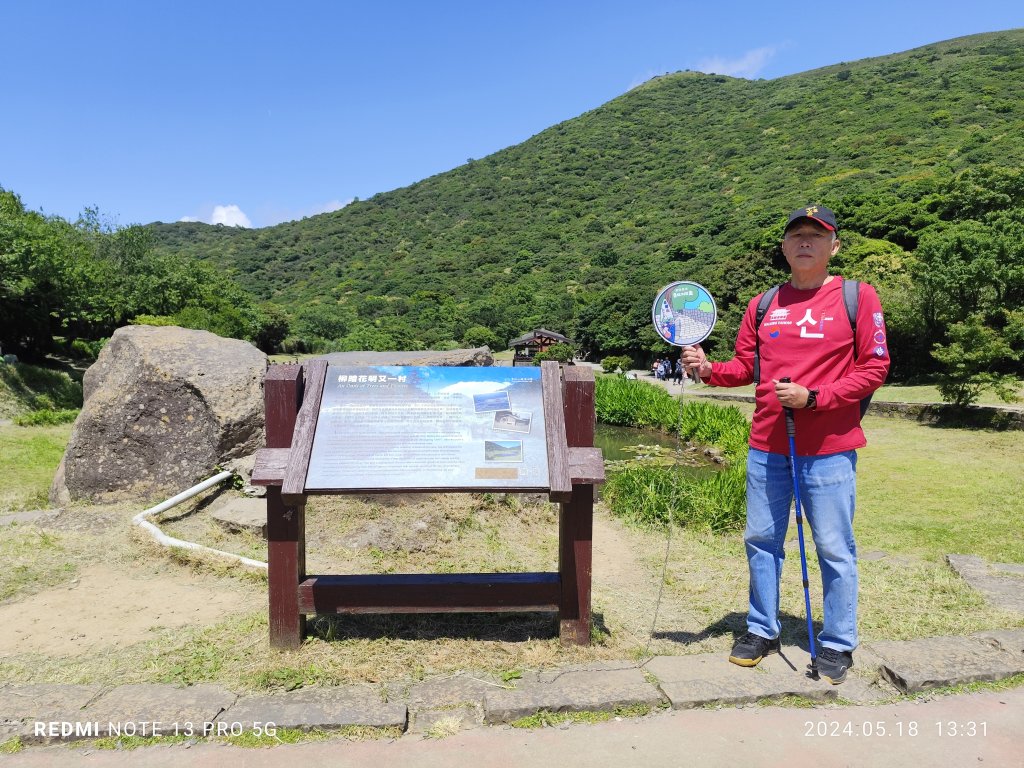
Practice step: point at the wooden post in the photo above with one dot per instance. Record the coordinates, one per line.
(576, 518)
(286, 525)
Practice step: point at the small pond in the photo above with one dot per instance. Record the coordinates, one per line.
(627, 445)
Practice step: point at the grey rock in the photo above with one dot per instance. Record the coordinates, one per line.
(698, 680)
(21, 706)
(1008, 568)
(481, 356)
(241, 514)
(578, 691)
(163, 407)
(243, 468)
(318, 708)
(1003, 587)
(932, 662)
(1011, 640)
(872, 556)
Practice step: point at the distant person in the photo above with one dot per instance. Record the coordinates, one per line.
(678, 373)
(804, 335)
(655, 367)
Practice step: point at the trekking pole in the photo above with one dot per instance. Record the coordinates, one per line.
(791, 431)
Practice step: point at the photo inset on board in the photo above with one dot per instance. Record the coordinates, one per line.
(509, 421)
(503, 450)
(492, 401)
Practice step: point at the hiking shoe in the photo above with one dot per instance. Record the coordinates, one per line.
(751, 648)
(832, 665)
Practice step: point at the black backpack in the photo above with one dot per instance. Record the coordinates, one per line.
(851, 293)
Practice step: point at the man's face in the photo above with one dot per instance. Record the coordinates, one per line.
(808, 246)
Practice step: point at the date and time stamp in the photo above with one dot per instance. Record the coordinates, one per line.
(882, 729)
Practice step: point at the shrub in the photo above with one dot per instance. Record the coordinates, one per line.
(612, 363)
(157, 320)
(84, 350)
(46, 418)
(33, 387)
(480, 336)
(563, 353)
(974, 350)
(644, 495)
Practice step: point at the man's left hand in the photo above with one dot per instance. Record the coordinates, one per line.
(790, 395)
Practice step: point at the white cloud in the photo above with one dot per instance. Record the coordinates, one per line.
(334, 205)
(266, 216)
(749, 65)
(230, 215)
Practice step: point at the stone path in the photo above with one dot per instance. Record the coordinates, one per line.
(1002, 584)
(47, 714)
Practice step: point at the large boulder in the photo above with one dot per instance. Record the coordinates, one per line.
(163, 407)
(457, 357)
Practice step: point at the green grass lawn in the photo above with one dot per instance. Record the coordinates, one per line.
(931, 491)
(28, 459)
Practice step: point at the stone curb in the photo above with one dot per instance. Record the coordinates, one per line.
(710, 679)
(47, 713)
(578, 691)
(932, 662)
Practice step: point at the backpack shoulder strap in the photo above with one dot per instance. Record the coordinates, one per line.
(851, 294)
(762, 309)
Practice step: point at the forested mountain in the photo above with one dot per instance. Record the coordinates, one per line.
(688, 176)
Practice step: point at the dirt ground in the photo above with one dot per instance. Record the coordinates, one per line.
(106, 607)
(124, 590)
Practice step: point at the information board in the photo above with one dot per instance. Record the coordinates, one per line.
(429, 428)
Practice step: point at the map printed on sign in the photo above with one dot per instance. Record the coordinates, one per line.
(426, 427)
(684, 313)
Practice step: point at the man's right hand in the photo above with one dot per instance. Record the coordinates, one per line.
(694, 359)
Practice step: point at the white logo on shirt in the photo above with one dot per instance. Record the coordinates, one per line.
(778, 316)
(804, 333)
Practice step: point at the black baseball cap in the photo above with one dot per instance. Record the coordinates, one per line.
(819, 214)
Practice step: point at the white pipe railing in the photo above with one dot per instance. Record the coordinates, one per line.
(169, 541)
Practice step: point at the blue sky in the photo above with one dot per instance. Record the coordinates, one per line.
(254, 113)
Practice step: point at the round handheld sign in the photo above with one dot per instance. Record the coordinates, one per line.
(684, 313)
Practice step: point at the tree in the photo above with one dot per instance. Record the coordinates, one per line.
(563, 353)
(968, 360)
(481, 336)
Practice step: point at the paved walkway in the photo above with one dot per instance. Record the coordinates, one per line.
(54, 714)
(984, 729)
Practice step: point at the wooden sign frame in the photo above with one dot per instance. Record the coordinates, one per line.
(292, 396)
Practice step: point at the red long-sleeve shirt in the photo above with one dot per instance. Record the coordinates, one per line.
(806, 336)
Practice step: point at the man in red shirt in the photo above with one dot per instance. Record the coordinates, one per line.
(805, 337)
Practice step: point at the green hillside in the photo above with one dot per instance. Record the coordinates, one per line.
(685, 177)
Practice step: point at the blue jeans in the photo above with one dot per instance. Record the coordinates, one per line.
(828, 487)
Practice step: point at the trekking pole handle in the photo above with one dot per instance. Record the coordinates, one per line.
(790, 421)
